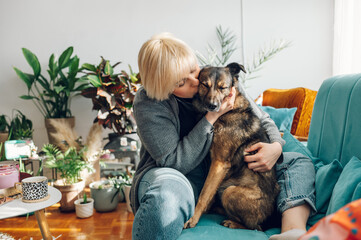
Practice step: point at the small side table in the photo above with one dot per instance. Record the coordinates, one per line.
(18, 207)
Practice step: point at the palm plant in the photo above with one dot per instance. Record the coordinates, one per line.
(226, 39)
(53, 95)
(69, 164)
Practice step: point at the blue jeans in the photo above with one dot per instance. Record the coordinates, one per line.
(167, 197)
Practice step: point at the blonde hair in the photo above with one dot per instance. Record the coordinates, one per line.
(163, 61)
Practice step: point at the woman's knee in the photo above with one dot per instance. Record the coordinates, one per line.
(167, 187)
(166, 202)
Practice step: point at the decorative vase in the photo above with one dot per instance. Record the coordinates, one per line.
(69, 193)
(126, 190)
(51, 130)
(84, 210)
(105, 199)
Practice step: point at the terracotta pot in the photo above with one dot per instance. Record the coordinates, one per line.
(69, 193)
(52, 130)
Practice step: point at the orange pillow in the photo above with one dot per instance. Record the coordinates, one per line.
(302, 98)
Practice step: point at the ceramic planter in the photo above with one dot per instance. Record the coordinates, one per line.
(105, 199)
(84, 210)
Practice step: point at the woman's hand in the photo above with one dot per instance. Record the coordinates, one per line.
(265, 158)
(226, 106)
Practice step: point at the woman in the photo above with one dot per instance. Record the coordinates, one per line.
(176, 142)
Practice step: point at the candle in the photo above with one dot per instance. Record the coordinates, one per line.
(9, 175)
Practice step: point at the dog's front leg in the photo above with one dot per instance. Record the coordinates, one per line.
(217, 173)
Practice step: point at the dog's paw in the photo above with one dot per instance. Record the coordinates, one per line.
(232, 224)
(191, 223)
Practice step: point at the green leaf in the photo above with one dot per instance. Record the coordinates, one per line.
(94, 80)
(133, 78)
(89, 67)
(33, 61)
(108, 70)
(25, 77)
(81, 87)
(73, 71)
(28, 97)
(65, 57)
(58, 89)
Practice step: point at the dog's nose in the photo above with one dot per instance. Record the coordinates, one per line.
(212, 106)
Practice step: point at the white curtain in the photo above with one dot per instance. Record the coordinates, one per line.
(347, 37)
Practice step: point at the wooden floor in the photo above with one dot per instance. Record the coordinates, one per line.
(111, 225)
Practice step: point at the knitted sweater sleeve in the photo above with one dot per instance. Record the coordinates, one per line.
(158, 129)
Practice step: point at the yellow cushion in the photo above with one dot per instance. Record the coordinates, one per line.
(302, 98)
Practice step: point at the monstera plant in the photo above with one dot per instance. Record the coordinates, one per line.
(112, 95)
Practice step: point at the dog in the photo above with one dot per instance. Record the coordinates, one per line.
(246, 197)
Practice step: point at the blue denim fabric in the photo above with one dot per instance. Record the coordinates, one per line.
(166, 203)
(296, 178)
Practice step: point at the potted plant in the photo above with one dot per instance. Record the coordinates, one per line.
(52, 95)
(84, 207)
(112, 95)
(105, 194)
(21, 127)
(4, 134)
(69, 164)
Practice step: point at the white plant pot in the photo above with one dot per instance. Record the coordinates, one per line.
(84, 210)
(126, 190)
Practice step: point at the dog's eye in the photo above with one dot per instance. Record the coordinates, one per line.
(222, 88)
(205, 84)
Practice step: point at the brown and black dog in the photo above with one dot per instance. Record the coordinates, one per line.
(247, 197)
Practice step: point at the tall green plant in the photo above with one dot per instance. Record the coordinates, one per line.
(52, 95)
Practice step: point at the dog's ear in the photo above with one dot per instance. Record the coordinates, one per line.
(235, 68)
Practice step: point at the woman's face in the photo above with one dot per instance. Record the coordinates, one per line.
(188, 86)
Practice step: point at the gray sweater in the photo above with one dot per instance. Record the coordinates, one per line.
(159, 128)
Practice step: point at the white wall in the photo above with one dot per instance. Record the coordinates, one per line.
(116, 29)
(308, 24)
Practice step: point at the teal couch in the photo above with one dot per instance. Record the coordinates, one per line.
(334, 144)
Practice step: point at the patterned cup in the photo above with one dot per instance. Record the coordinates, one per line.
(35, 189)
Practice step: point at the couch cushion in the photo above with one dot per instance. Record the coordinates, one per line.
(283, 117)
(209, 228)
(347, 187)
